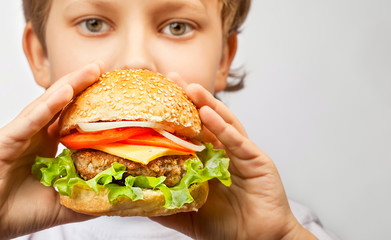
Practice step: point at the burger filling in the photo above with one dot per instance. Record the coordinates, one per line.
(89, 163)
(61, 173)
(127, 160)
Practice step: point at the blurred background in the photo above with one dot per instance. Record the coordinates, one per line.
(317, 100)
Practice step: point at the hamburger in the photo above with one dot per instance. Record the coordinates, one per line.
(133, 149)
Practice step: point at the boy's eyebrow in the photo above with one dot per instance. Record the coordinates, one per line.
(164, 5)
(174, 5)
(104, 4)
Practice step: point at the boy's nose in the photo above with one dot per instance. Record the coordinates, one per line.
(138, 61)
(136, 53)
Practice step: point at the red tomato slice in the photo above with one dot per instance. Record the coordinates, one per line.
(86, 140)
(156, 140)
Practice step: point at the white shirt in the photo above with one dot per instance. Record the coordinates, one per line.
(144, 228)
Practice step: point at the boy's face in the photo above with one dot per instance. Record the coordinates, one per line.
(183, 36)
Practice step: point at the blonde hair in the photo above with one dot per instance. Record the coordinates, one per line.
(37, 12)
(233, 15)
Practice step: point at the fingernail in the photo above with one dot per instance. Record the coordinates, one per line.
(63, 94)
(100, 64)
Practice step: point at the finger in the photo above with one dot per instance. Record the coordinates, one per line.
(208, 136)
(53, 129)
(27, 124)
(79, 80)
(201, 97)
(174, 76)
(86, 77)
(41, 111)
(233, 140)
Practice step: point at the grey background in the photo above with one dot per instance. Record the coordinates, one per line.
(316, 100)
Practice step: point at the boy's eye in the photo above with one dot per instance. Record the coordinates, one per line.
(94, 27)
(177, 29)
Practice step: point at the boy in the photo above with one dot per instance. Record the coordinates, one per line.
(191, 41)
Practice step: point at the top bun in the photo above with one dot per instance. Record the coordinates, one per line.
(134, 95)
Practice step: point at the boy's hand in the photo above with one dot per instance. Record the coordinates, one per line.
(255, 206)
(25, 204)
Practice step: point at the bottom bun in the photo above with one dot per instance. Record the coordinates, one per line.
(85, 200)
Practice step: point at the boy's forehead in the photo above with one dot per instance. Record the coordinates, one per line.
(151, 8)
(196, 4)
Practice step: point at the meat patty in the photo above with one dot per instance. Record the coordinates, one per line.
(90, 162)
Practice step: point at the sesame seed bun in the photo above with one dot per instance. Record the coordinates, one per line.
(131, 95)
(85, 200)
(134, 95)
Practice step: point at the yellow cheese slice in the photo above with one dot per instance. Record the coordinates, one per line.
(137, 153)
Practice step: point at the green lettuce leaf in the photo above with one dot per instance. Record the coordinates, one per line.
(133, 186)
(60, 172)
(105, 177)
